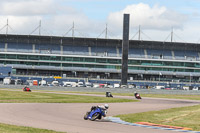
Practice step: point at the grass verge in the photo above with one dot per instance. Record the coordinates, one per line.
(36, 97)
(6, 128)
(171, 96)
(183, 117)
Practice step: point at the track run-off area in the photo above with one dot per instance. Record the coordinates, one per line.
(68, 117)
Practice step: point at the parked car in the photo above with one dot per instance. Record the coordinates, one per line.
(88, 84)
(55, 83)
(67, 84)
(80, 84)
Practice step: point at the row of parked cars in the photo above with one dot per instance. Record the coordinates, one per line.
(82, 84)
(9, 81)
(177, 87)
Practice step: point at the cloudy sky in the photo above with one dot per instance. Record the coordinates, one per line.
(156, 18)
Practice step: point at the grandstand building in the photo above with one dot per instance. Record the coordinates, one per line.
(99, 58)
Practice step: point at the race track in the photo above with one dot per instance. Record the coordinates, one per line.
(68, 117)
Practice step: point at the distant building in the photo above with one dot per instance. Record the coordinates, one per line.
(99, 58)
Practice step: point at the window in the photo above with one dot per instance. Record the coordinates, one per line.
(156, 63)
(2, 56)
(168, 63)
(89, 59)
(101, 60)
(33, 57)
(180, 64)
(21, 56)
(55, 58)
(76, 59)
(11, 56)
(44, 64)
(44, 57)
(134, 62)
(77, 65)
(67, 65)
(67, 58)
(55, 64)
(89, 66)
(189, 64)
(113, 61)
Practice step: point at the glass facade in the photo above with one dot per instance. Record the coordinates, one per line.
(94, 62)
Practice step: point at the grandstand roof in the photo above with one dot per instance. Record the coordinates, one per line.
(35, 39)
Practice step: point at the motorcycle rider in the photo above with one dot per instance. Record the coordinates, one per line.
(25, 87)
(137, 95)
(104, 107)
(93, 108)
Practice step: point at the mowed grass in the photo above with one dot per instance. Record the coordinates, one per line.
(83, 92)
(37, 97)
(5, 128)
(171, 96)
(183, 117)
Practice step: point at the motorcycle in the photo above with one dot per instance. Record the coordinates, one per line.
(95, 113)
(137, 96)
(26, 89)
(108, 94)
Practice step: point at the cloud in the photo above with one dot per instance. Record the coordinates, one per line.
(28, 7)
(24, 16)
(57, 18)
(156, 17)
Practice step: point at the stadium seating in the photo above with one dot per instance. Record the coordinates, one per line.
(47, 49)
(75, 50)
(15, 47)
(186, 55)
(2, 47)
(154, 54)
(167, 54)
(136, 53)
(6, 71)
(159, 54)
(104, 51)
(100, 51)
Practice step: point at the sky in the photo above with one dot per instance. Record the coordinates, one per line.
(156, 18)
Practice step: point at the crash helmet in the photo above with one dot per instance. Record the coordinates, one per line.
(106, 106)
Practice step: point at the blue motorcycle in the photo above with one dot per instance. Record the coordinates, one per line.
(95, 113)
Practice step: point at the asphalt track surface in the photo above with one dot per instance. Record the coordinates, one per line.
(68, 117)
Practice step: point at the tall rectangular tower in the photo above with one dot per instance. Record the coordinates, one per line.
(125, 48)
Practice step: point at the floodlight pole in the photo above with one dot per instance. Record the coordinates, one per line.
(106, 34)
(139, 33)
(7, 27)
(40, 27)
(73, 30)
(172, 35)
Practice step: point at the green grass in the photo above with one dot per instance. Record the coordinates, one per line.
(98, 93)
(5, 128)
(184, 117)
(37, 97)
(171, 96)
